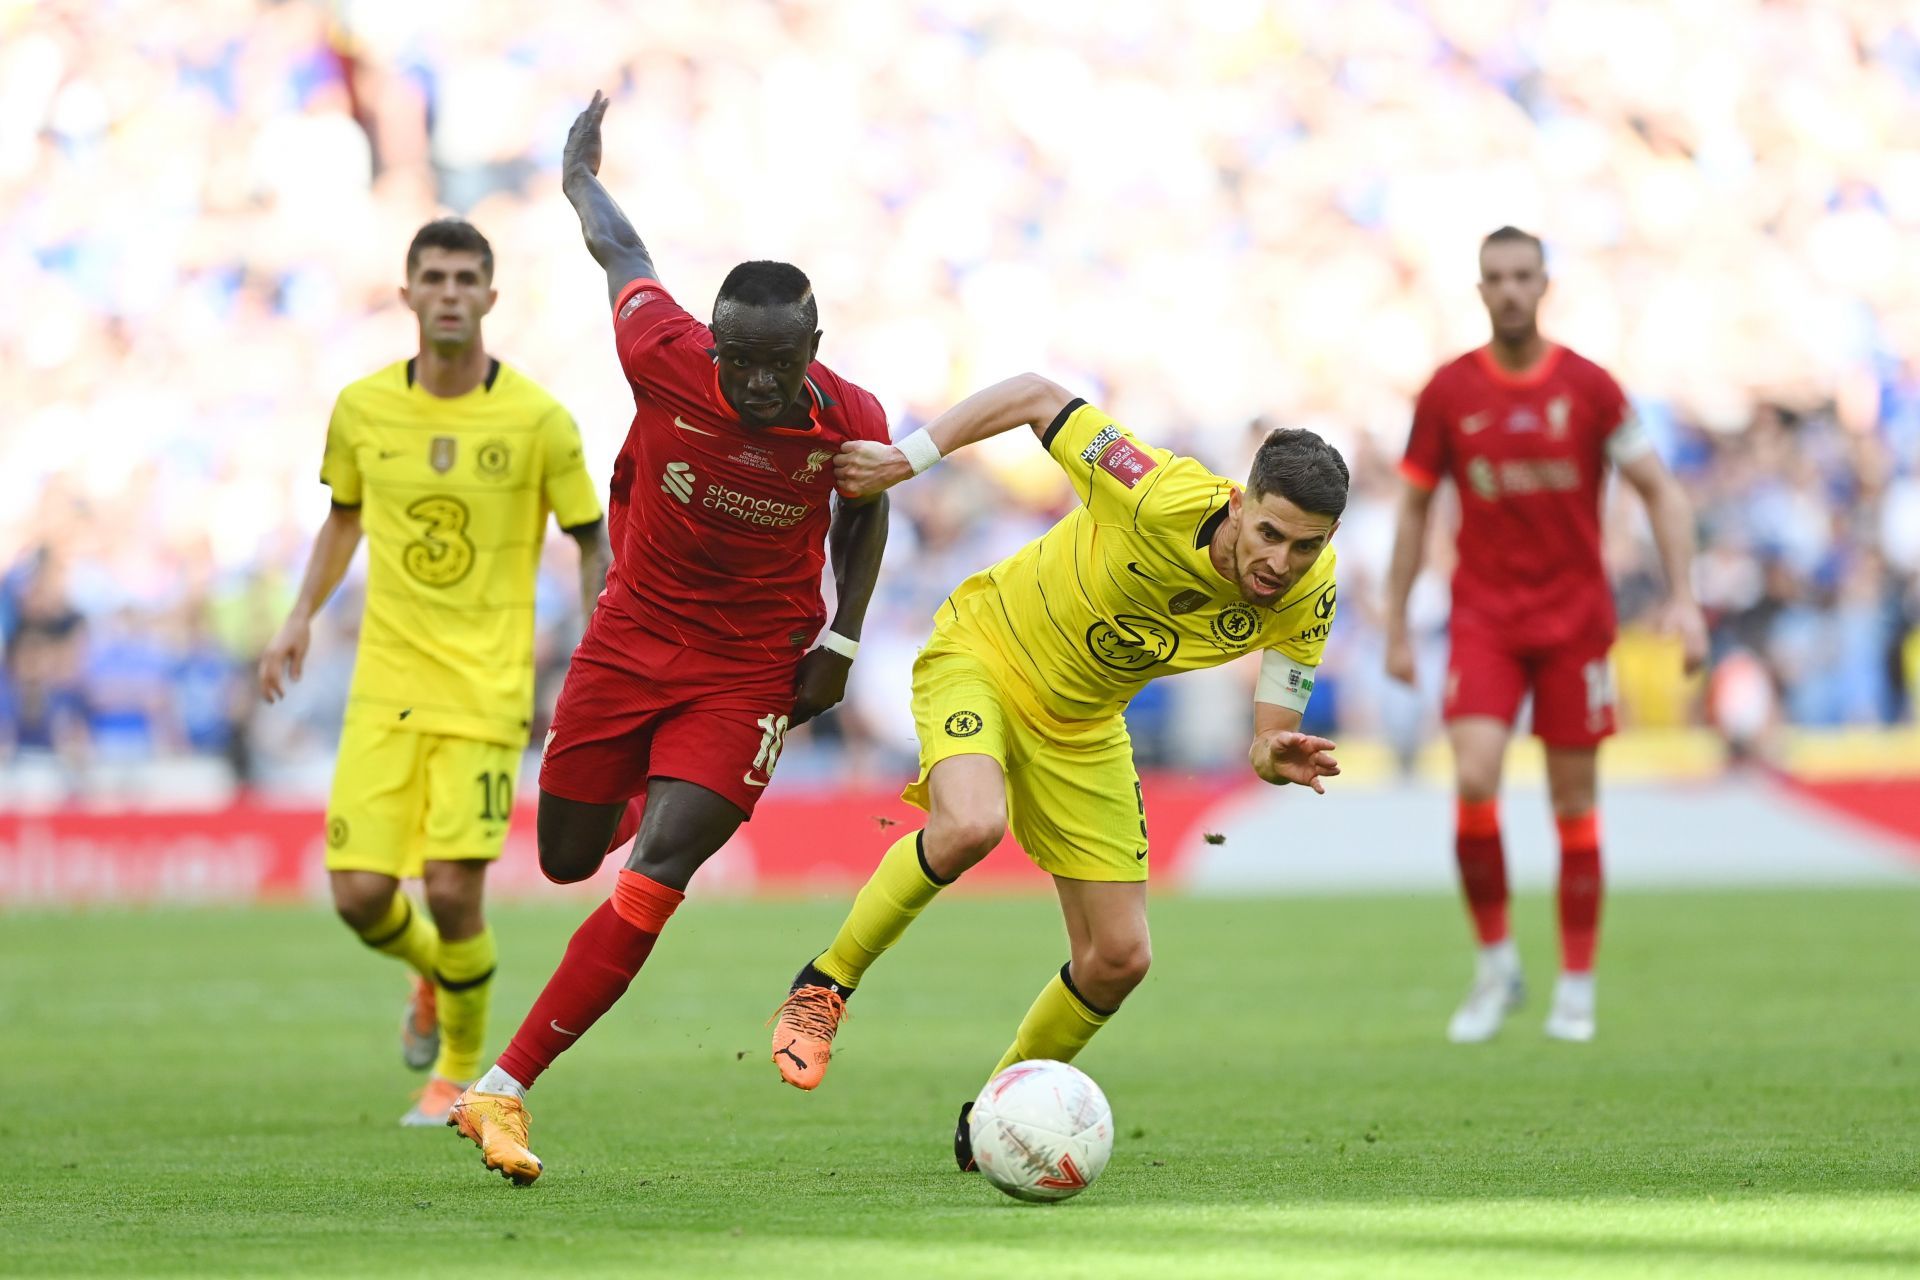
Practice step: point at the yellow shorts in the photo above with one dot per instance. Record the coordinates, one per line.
(402, 799)
(1073, 795)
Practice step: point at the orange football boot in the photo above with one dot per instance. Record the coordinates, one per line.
(803, 1034)
(497, 1124)
(432, 1104)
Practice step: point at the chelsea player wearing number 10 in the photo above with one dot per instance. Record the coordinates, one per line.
(449, 462)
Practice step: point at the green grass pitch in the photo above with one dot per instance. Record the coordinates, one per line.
(214, 1092)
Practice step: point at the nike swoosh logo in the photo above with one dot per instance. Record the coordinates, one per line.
(390, 453)
(681, 423)
(562, 1030)
(1138, 572)
(749, 780)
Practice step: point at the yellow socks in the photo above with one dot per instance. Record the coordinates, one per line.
(900, 888)
(1057, 1026)
(406, 934)
(463, 978)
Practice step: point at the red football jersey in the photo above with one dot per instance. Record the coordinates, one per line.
(719, 529)
(1529, 454)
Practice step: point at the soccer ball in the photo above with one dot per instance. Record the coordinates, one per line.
(1042, 1131)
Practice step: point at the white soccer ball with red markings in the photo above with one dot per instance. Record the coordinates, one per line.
(1041, 1131)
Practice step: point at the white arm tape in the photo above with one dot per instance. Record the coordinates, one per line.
(919, 449)
(834, 642)
(1283, 681)
(1629, 440)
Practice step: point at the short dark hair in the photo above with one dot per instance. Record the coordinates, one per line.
(1302, 468)
(770, 284)
(456, 234)
(1514, 235)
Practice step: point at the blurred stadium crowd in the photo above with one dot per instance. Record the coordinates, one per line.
(1211, 218)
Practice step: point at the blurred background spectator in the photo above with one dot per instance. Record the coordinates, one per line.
(1210, 218)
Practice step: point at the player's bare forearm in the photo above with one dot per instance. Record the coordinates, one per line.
(863, 468)
(1024, 400)
(333, 549)
(596, 562)
(1671, 516)
(856, 542)
(1409, 546)
(610, 237)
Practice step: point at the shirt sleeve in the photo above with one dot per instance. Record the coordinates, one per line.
(1623, 434)
(564, 480)
(659, 344)
(1112, 470)
(339, 466)
(1426, 459)
(1309, 626)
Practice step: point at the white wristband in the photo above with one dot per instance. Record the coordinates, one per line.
(834, 642)
(919, 450)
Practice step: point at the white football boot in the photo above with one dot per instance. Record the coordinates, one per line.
(1497, 991)
(1571, 1017)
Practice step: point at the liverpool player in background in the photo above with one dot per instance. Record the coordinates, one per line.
(449, 461)
(700, 656)
(1526, 430)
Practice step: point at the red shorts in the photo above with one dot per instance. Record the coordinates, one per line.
(1571, 684)
(636, 706)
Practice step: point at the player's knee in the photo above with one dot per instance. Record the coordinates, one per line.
(1118, 964)
(455, 909)
(360, 907)
(564, 865)
(957, 841)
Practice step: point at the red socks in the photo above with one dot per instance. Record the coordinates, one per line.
(1580, 888)
(1483, 867)
(607, 950)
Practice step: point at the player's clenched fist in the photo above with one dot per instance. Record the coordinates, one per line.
(1281, 755)
(863, 468)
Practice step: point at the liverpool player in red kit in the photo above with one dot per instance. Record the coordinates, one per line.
(697, 659)
(1526, 430)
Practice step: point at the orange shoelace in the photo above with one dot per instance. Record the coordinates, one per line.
(813, 1011)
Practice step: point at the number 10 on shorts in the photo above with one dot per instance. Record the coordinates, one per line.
(773, 736)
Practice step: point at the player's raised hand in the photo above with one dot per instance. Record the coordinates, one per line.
(819, 684)
(1683, 620)
(863, 468)
(1282, 755)
(285, 658)
(583, 139)
(1400, 663)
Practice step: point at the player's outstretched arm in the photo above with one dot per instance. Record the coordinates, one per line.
(856, 541)
(1281, 753)
(611, 239)
(1671, 516)
(865, 467)
(1409, 544)
(333, 548)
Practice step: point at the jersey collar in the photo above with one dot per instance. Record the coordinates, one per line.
(1542, 368)
(818, 402)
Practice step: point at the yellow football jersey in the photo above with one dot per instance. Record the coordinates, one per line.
(454, 495)
(1122, 591)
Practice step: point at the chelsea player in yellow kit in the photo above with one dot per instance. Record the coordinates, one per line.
(1018, 695)
(449, 463)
